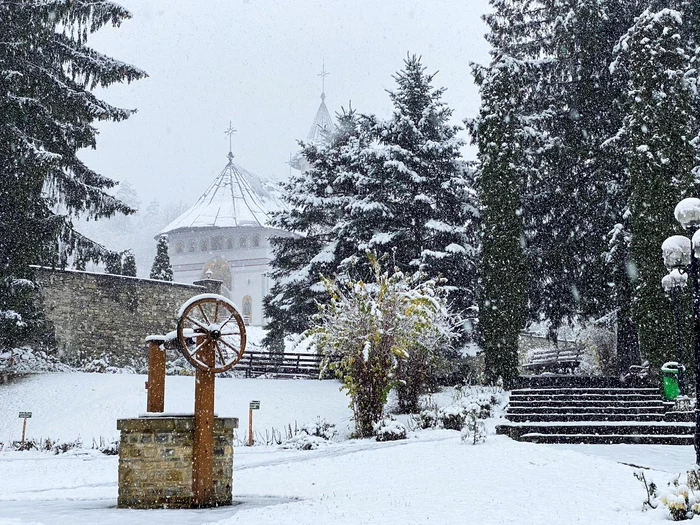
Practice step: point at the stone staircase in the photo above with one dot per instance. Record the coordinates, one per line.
(608, 415)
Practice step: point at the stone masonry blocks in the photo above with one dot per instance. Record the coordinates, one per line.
(155, 462)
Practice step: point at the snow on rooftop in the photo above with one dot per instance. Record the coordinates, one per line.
(237, 197)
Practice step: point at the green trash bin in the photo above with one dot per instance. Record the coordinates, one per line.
(670, 376)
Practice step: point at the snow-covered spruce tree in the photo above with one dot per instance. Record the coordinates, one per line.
(318, 201)
(502, 139)
(657, 132)
(417, 198)
(129, 264)
(568, 208)
(368, 327)
(47, 112)
(162, 269)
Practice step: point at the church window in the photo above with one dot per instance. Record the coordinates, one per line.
(247, 309)
(256, 240)
(192, 246)
(180, 247)
(243, 242)
(204, 245)
(229, 243)
(217, 243)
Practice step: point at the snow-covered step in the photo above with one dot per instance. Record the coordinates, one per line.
(584, 416)
(609, 439)
(591, 403)
(650, 391)
(538, 409)
(584, 397)
(517, 430)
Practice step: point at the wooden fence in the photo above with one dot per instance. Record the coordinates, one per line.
(255, 364)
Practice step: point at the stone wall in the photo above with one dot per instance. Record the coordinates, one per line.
(97, 315)
(155, 462)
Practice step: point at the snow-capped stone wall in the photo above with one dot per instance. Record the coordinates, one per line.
(102, 316)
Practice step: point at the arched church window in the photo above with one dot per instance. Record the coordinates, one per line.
(256, 240)
(217, 243)
(247, 309)
(192, 246)
(243, 242)
(180, 247)
(204, 245)
(229, 243)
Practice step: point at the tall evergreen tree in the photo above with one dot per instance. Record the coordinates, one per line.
(502, 139)
(47, 110)
(129, 264)
(417, 199)
(318, 200)
(657, 132)
(162, 269)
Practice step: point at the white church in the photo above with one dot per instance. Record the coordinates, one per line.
(225, 234)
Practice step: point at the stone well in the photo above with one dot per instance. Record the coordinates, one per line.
(155, 462)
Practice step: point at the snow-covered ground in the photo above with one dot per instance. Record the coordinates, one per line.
(432, 477)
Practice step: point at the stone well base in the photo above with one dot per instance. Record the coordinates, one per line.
(155, 462)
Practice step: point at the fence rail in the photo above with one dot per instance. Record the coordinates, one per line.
(288, 364)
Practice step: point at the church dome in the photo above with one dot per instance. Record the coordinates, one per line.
(237, 197)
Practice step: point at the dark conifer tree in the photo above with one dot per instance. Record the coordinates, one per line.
(129, 264)
(502, 139)
(162, 269)
(417, 200)
(656, 136)
(47, 111)
(318, 200)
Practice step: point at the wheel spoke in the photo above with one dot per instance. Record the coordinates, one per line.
(233, 316)
(197, 349)
(230, 333)
(221, 355)
(216, 312)
(230, 346)
(193, 321)
(203, 314)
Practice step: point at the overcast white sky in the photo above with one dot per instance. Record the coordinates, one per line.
(255, 62)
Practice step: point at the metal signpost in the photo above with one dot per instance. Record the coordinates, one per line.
(254, 405)
(25, 416)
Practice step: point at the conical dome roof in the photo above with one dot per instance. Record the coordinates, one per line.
(237, 197)
(322, 125)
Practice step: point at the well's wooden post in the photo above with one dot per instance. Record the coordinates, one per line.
(156, 377)
(203, 446)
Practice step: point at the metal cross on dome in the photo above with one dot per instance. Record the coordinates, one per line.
(230, 131)
(323, 74)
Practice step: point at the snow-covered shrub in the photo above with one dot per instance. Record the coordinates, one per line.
(305, 442)
(102, 366)
(311, 435)
(61, 447)
(28, 360)
(474, 429)
(320, 428)
(108, 448)
(388, 429)
(681, 502)
(367, 328)
(428, 418)
(452, 417)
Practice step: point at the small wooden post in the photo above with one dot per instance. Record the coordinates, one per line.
(203, 446)
(250, 427)
(25, 416)
(155, 401)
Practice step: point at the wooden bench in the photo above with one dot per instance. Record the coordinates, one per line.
(559, 360)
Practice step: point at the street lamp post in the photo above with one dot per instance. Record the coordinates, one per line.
(672, 284)
(679, 254)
